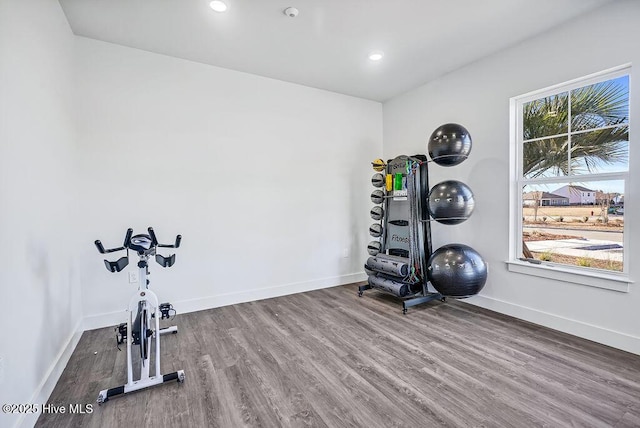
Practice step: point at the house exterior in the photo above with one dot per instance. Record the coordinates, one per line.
(577, 195)
(546, 199)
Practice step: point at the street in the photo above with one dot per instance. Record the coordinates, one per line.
(603, 235)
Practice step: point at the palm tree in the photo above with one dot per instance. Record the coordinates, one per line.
(603, 106)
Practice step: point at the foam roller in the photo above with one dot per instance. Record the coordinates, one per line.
(390, 265)
(390, 286)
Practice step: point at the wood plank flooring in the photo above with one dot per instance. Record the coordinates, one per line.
(330, 359)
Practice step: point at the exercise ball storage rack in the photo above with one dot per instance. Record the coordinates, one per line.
(401, 260)
(399, 266)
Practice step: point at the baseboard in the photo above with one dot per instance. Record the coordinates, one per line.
(592, 332)
(209, 302)
(50, 379)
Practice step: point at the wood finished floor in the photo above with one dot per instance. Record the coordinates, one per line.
(330, 359)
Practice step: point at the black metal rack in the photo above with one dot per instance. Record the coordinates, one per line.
(397, 264)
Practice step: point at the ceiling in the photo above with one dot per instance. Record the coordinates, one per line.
(327, 45)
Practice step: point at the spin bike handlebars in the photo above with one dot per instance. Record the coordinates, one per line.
(152, 234)
(127, 239)
(121, 263)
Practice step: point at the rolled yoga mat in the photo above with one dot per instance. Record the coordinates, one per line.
(388, 285)
(390, 265)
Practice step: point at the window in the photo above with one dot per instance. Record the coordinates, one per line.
(570, 167)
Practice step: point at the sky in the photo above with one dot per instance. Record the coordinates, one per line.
(613, 186)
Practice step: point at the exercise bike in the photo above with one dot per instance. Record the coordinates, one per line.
(143, 322)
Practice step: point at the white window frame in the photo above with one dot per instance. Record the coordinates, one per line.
(617, 281)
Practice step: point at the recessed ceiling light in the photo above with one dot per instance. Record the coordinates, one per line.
(376, 55)
(218, 5)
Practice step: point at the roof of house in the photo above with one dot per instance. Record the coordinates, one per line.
(574, 188)
(545, 195)
(581, 188)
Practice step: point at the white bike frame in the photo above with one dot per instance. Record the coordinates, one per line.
(149, 308)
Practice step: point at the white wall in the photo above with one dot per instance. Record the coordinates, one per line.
(477, 96)
(39, 280)
(267, 181)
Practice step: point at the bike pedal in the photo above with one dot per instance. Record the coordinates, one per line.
(167, 311)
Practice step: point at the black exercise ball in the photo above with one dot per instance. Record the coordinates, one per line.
(450, 202)
(457, 270)
(449, 144)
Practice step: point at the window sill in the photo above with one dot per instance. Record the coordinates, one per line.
(608, 281)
